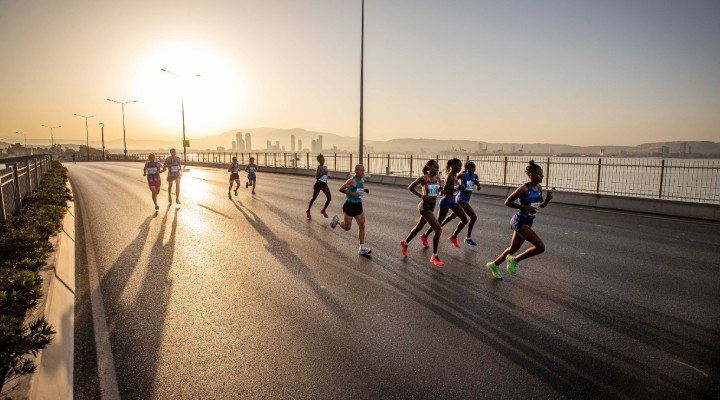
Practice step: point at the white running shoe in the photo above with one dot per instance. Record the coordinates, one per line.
(334, 221)
(363, 251)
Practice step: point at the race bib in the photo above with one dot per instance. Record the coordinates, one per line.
(361, 192)
(323, 178)
(535, 205)
(433, 189)
(174, 168)
(470, 186)
(236, 170)
(252, 169)
(152, 170)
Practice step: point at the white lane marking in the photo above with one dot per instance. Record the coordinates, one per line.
(690, 366)
(105, 363)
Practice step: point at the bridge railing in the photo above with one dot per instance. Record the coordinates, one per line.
(19, 176)
(692, 180)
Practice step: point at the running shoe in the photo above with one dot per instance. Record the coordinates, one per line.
(157, 207)
(454, 241)
(512, 264)
(494, 270)
(246, 184)
(235, 192)
(424, 241)
(334, 222)
(177, 201)
(308, 214)
(435, 260)
(323, 213)
(404, 247)
(253, 192)
(470, 241)
(363, 251)
(229, 196)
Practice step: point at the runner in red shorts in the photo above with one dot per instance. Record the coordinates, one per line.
(152, 170)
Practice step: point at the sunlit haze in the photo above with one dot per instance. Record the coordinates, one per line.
(540, 71)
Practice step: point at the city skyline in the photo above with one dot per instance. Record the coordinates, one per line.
(585, 74)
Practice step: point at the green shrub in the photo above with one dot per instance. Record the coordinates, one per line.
(24, 249)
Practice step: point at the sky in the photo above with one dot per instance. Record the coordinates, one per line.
(581, 72)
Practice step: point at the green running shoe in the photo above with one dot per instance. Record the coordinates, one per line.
(494, 270)
(512, 264)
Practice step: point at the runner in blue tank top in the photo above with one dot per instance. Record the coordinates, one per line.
(321, 179)
(531, 199)
(251, 168)
(451, 190)
(174, 167)
(354, 189)
(470, 182)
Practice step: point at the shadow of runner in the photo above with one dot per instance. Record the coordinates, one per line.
(136, 345)
(292, 262)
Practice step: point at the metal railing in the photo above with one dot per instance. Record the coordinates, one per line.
(19, 176)
(692, 180)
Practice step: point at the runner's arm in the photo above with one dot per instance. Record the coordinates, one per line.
(419, 181)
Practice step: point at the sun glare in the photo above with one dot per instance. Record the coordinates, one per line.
(213, 101)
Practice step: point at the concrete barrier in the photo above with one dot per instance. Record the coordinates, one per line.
(53, 378)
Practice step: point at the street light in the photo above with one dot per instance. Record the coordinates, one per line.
(182, 104)
(20, 133)
(362, 48)
(122, 103)
(87, 135)
(52, 139)
(102, 137)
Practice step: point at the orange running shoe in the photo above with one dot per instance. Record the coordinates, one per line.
(435, 260)
(425, 241)
(454, 241)
(307, 213)
(404, 248)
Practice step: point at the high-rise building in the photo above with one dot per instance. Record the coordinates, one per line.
(269, 145)
(240, 142)
(234, 146)
(292, 143)
(248, 143)
(300, 149)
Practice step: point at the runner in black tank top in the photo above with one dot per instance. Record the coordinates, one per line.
(321, 179)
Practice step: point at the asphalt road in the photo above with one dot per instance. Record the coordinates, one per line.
(245, 298)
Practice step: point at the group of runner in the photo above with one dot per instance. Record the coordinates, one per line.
(454, 194)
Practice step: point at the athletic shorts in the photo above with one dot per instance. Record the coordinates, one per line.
(251, 177)
(426, 206)
(319, 185)
(519, 220)
(447, 202)
(172, 178)
(463, 197)
(234, 176)
(352, 209)
(155, 183)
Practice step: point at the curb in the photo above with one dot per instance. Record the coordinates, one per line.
(53, 378)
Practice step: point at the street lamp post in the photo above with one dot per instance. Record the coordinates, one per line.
(52, 139)
(87, 135)
(102, 138)
(20, 133)
(122, 103)
(362, 53)
(182, 105)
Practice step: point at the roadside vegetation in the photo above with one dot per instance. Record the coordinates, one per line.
(24, 249)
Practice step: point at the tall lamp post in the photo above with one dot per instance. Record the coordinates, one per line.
(182, 104)
(122, 103)
(52, 139)
(87, 135)
(20, 133)
(102, 138)
(362, 53)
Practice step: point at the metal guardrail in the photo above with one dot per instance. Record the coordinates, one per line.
(692, 180)
(19, 176)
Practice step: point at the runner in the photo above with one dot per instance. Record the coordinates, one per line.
(354, 190)
(321, 176)
(173, 165)
(469, 181)
(74, 159)
(152, 170)
(451, 189)
(531, 198)
(234, 170)
(430, 190)
(251, 168)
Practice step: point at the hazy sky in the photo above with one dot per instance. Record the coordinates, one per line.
(579, 72)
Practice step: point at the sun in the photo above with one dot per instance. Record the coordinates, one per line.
(214, 101)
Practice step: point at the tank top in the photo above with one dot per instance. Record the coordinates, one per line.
(252, 168)
(174, 169)
(431, 188)
(153, 171)
(358, 188)
(235, 168)
(533, 199)
(469, 182)
(323, 174)
(455, 184)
